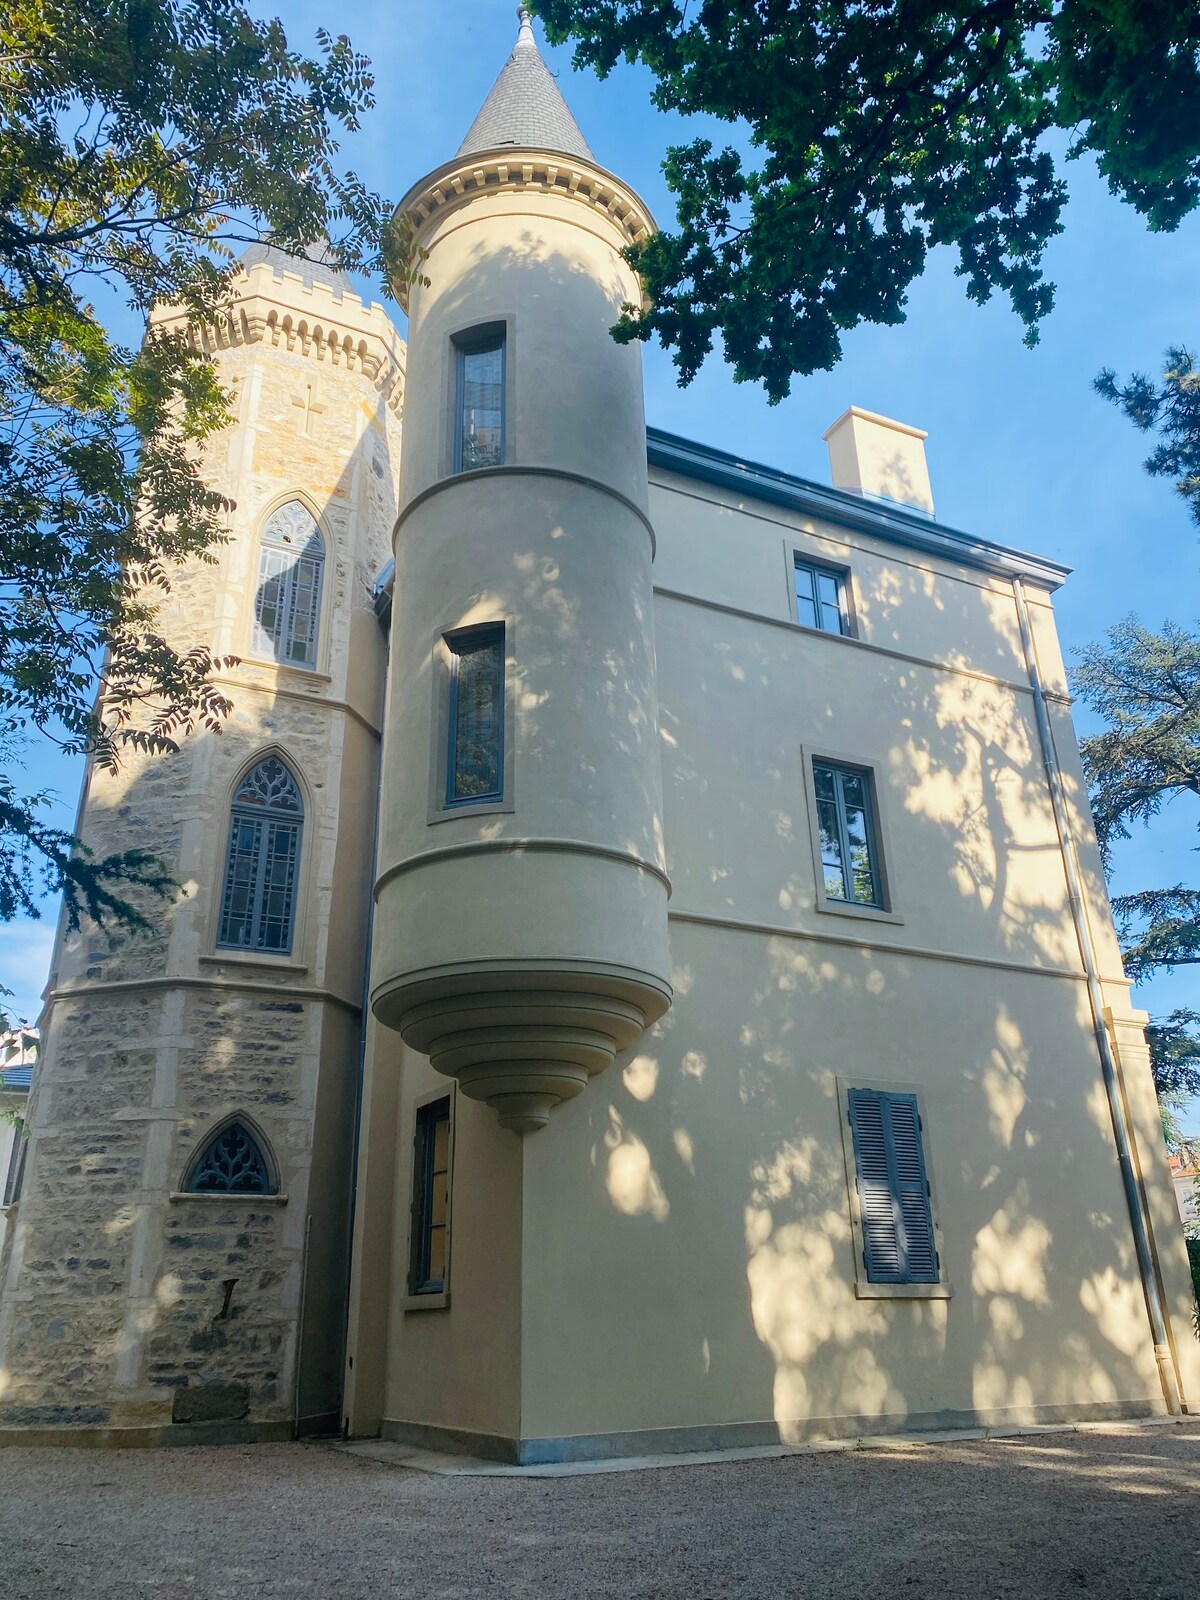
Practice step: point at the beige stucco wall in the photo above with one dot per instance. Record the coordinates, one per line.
(111, 1290)
(687, 1259)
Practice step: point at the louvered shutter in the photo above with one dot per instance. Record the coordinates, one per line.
(893, 1191)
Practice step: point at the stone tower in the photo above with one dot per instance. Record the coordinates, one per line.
(180, 1245)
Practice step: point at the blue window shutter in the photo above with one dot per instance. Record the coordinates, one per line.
(893, 1190)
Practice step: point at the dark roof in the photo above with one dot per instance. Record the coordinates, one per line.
(525, 107)
(885, 520)
(16, 1077)
(314, 266)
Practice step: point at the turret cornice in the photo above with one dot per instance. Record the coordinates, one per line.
(506, 171)
(313, 320)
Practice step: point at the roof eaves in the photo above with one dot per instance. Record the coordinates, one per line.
(671, 453)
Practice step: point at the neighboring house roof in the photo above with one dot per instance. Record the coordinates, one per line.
(525, 107)
(16, 1077)
(1184, 1167)
(313, 266)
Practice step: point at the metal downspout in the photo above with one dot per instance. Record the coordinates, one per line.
(1108, 1064)
(387, 573)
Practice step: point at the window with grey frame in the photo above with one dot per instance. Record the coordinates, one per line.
(894, 1197)
(16, 1166)
(475, 754)
(821, 601)
(431, 1199)
(479, 384)
(850, 864)
(291, 575)
(262, 863)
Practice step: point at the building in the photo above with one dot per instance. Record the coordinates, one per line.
(1185, 1176)
(746, 1051)
(16, 1076)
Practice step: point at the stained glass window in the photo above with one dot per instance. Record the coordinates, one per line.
(475, 768)
(230, 1163)
(258, 902)
(479, 404)
(287, 603)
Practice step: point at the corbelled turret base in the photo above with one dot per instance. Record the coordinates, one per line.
(525, 1040)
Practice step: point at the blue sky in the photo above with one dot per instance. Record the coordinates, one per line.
(1019, 447)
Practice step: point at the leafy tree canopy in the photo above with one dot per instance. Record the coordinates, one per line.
(1170, 407)
(1175, 1063)
(883, 128)
(1146, 688)
(141, 142)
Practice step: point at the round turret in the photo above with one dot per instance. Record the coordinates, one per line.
(521, 931)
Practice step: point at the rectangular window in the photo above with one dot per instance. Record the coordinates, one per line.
(431, 1199)
(894, 1199)
(479, 402)
(16, 1167)
(821, 598)
(846, 825)
(260, 884)
(475, 758)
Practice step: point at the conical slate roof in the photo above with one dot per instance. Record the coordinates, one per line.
(525, 107)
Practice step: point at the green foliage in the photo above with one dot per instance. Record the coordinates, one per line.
(1193, 1249)
(1146, 688)
(1175, 1064)
(141, 142)
(1169, 406)
(882, 128)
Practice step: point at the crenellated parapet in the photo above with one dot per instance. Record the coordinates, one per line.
(272, 305)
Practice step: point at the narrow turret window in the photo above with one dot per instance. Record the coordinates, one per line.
(287, 602)
(475, 759)
(431, 1199)
(479, 401)
(258, 902)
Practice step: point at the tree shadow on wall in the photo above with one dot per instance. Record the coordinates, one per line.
(113, 1291)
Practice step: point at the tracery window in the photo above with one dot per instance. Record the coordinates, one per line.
(232, 1162)
(291, 571)
(258, 900)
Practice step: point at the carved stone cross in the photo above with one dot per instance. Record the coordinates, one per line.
(309, 409)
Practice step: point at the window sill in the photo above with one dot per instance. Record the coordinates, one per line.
(845, 908)
(485, 808)
(177, 1197)
(902, 1291)
(236, 958)
(265, 664)
(427, 1302)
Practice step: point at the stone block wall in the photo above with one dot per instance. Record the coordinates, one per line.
(122, 1302)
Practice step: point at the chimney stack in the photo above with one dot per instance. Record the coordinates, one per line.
(879, 459)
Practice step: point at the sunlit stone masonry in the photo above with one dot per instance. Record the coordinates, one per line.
(643, 979)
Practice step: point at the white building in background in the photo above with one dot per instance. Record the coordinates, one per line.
(16, 1077)
(1185, 1175)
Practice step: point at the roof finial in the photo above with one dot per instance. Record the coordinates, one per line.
(526, 34)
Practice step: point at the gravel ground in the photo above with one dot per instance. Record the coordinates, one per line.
(1110, 1513)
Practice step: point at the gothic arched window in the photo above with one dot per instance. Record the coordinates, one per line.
(291, 571)
(231, 1162)
(258, 901)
